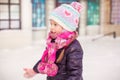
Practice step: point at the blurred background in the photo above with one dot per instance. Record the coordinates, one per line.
(24, 25)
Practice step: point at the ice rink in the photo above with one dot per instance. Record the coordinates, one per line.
(101, 59)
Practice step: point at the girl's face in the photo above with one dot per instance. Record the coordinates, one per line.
(55, 28)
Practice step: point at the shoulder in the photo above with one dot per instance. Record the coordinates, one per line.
(75, 46)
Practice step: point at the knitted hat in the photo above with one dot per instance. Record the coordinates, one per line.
(67, 15)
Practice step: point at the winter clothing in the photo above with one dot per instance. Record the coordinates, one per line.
(67, 15)
(47, 66)
(70, 68)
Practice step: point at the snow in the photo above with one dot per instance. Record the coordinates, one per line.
(100, 61)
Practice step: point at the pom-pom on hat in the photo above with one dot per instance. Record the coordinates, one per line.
(67, 15)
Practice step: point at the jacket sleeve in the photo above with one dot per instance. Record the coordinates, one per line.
(74, 64)
(35, 66)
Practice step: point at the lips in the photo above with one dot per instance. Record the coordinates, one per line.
(53, 35)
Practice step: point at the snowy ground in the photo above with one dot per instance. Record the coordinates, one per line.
(101, 60)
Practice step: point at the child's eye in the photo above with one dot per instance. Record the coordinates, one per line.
(55, 24)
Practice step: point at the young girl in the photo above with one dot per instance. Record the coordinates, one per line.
(62, 58)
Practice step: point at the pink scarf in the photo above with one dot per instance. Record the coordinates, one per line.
(47, 66)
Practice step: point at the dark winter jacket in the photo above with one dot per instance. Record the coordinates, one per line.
(71, 67)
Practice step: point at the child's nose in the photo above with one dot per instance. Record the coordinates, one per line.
(52, 27)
